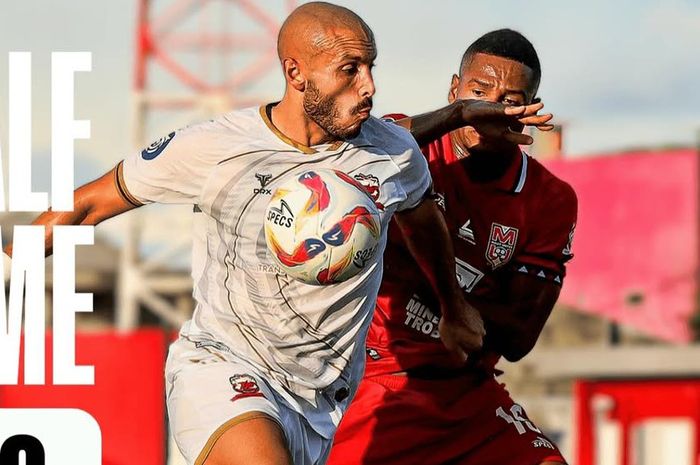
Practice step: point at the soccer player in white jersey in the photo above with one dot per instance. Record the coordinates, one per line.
(267, 365)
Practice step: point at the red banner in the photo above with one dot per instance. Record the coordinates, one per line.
(127, 399)
(636, 243)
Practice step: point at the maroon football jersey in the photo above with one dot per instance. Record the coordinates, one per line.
(521, 223)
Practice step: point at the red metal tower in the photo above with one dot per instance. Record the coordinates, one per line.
(194, 58)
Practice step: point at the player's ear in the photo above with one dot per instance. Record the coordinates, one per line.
(452, 95)
(293, 74)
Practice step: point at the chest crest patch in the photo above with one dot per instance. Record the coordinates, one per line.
(501, 245)
(371, 185)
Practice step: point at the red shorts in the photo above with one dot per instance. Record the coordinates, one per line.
(403, 421)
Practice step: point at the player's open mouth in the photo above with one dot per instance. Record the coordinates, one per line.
(364, 113)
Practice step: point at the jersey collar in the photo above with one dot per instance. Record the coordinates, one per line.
(521, 174)
(266, 115)
(513, 181)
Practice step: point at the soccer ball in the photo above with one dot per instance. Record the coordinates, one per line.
(322, 227)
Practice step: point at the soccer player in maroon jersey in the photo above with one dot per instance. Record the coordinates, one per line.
(512, 223)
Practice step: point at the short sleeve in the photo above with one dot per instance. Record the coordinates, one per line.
(414, 177)
(549, 246)
(173, 169)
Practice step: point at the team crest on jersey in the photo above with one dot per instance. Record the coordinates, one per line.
(245, 386)
(501, 245)
(371, 185)
(156, 148)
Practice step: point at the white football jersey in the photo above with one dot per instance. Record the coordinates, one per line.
(302, 337)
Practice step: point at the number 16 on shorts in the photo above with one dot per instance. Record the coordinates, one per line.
(49, 437)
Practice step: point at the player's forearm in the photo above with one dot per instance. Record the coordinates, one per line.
(426, 235)
(94, 203)
(49, 219)
(430, 126)
(505, 335)
(512, 328)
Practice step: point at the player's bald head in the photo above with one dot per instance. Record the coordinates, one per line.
(318, 27)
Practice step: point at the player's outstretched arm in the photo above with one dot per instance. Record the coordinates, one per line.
(94, 202)
(489, 119)
(426, 235)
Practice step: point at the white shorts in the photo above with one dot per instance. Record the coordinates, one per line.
(209, 391)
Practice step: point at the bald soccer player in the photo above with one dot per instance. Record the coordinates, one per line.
(266, 367)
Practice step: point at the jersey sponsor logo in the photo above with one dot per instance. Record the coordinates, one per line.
(501, 245)
(420, 318)
(269, 268)
(371, 185)
(281, 215)
(467, 275)
(263, 179)
(361, 257)
(245, 386)
(542, 442)
(156, 148)
(566, 251)
(467, 233)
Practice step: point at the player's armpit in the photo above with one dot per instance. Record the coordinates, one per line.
(514, 324)
(94, 202)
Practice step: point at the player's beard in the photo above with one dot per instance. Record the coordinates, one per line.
(323, 110)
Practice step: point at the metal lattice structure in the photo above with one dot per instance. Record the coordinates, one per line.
(193, 59)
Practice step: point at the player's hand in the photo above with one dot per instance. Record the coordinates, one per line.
(462, 330)
(500, 122)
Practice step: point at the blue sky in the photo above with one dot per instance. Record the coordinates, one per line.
(618, 74)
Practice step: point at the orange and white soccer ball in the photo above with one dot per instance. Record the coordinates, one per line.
(322, 227)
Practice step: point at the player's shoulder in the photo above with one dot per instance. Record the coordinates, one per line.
(549, 192)
(237, 123)
(550, 187)
(388, 136)
(219, 136)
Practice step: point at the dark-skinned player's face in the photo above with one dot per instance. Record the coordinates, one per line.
(494, 79)
(339, 87)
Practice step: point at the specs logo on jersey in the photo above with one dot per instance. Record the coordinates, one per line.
(371, 185)
(542, 442)
(281, 215)
(263, 179)
(501, 244)
(156, 148)
(363, 256)
(245, 385)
